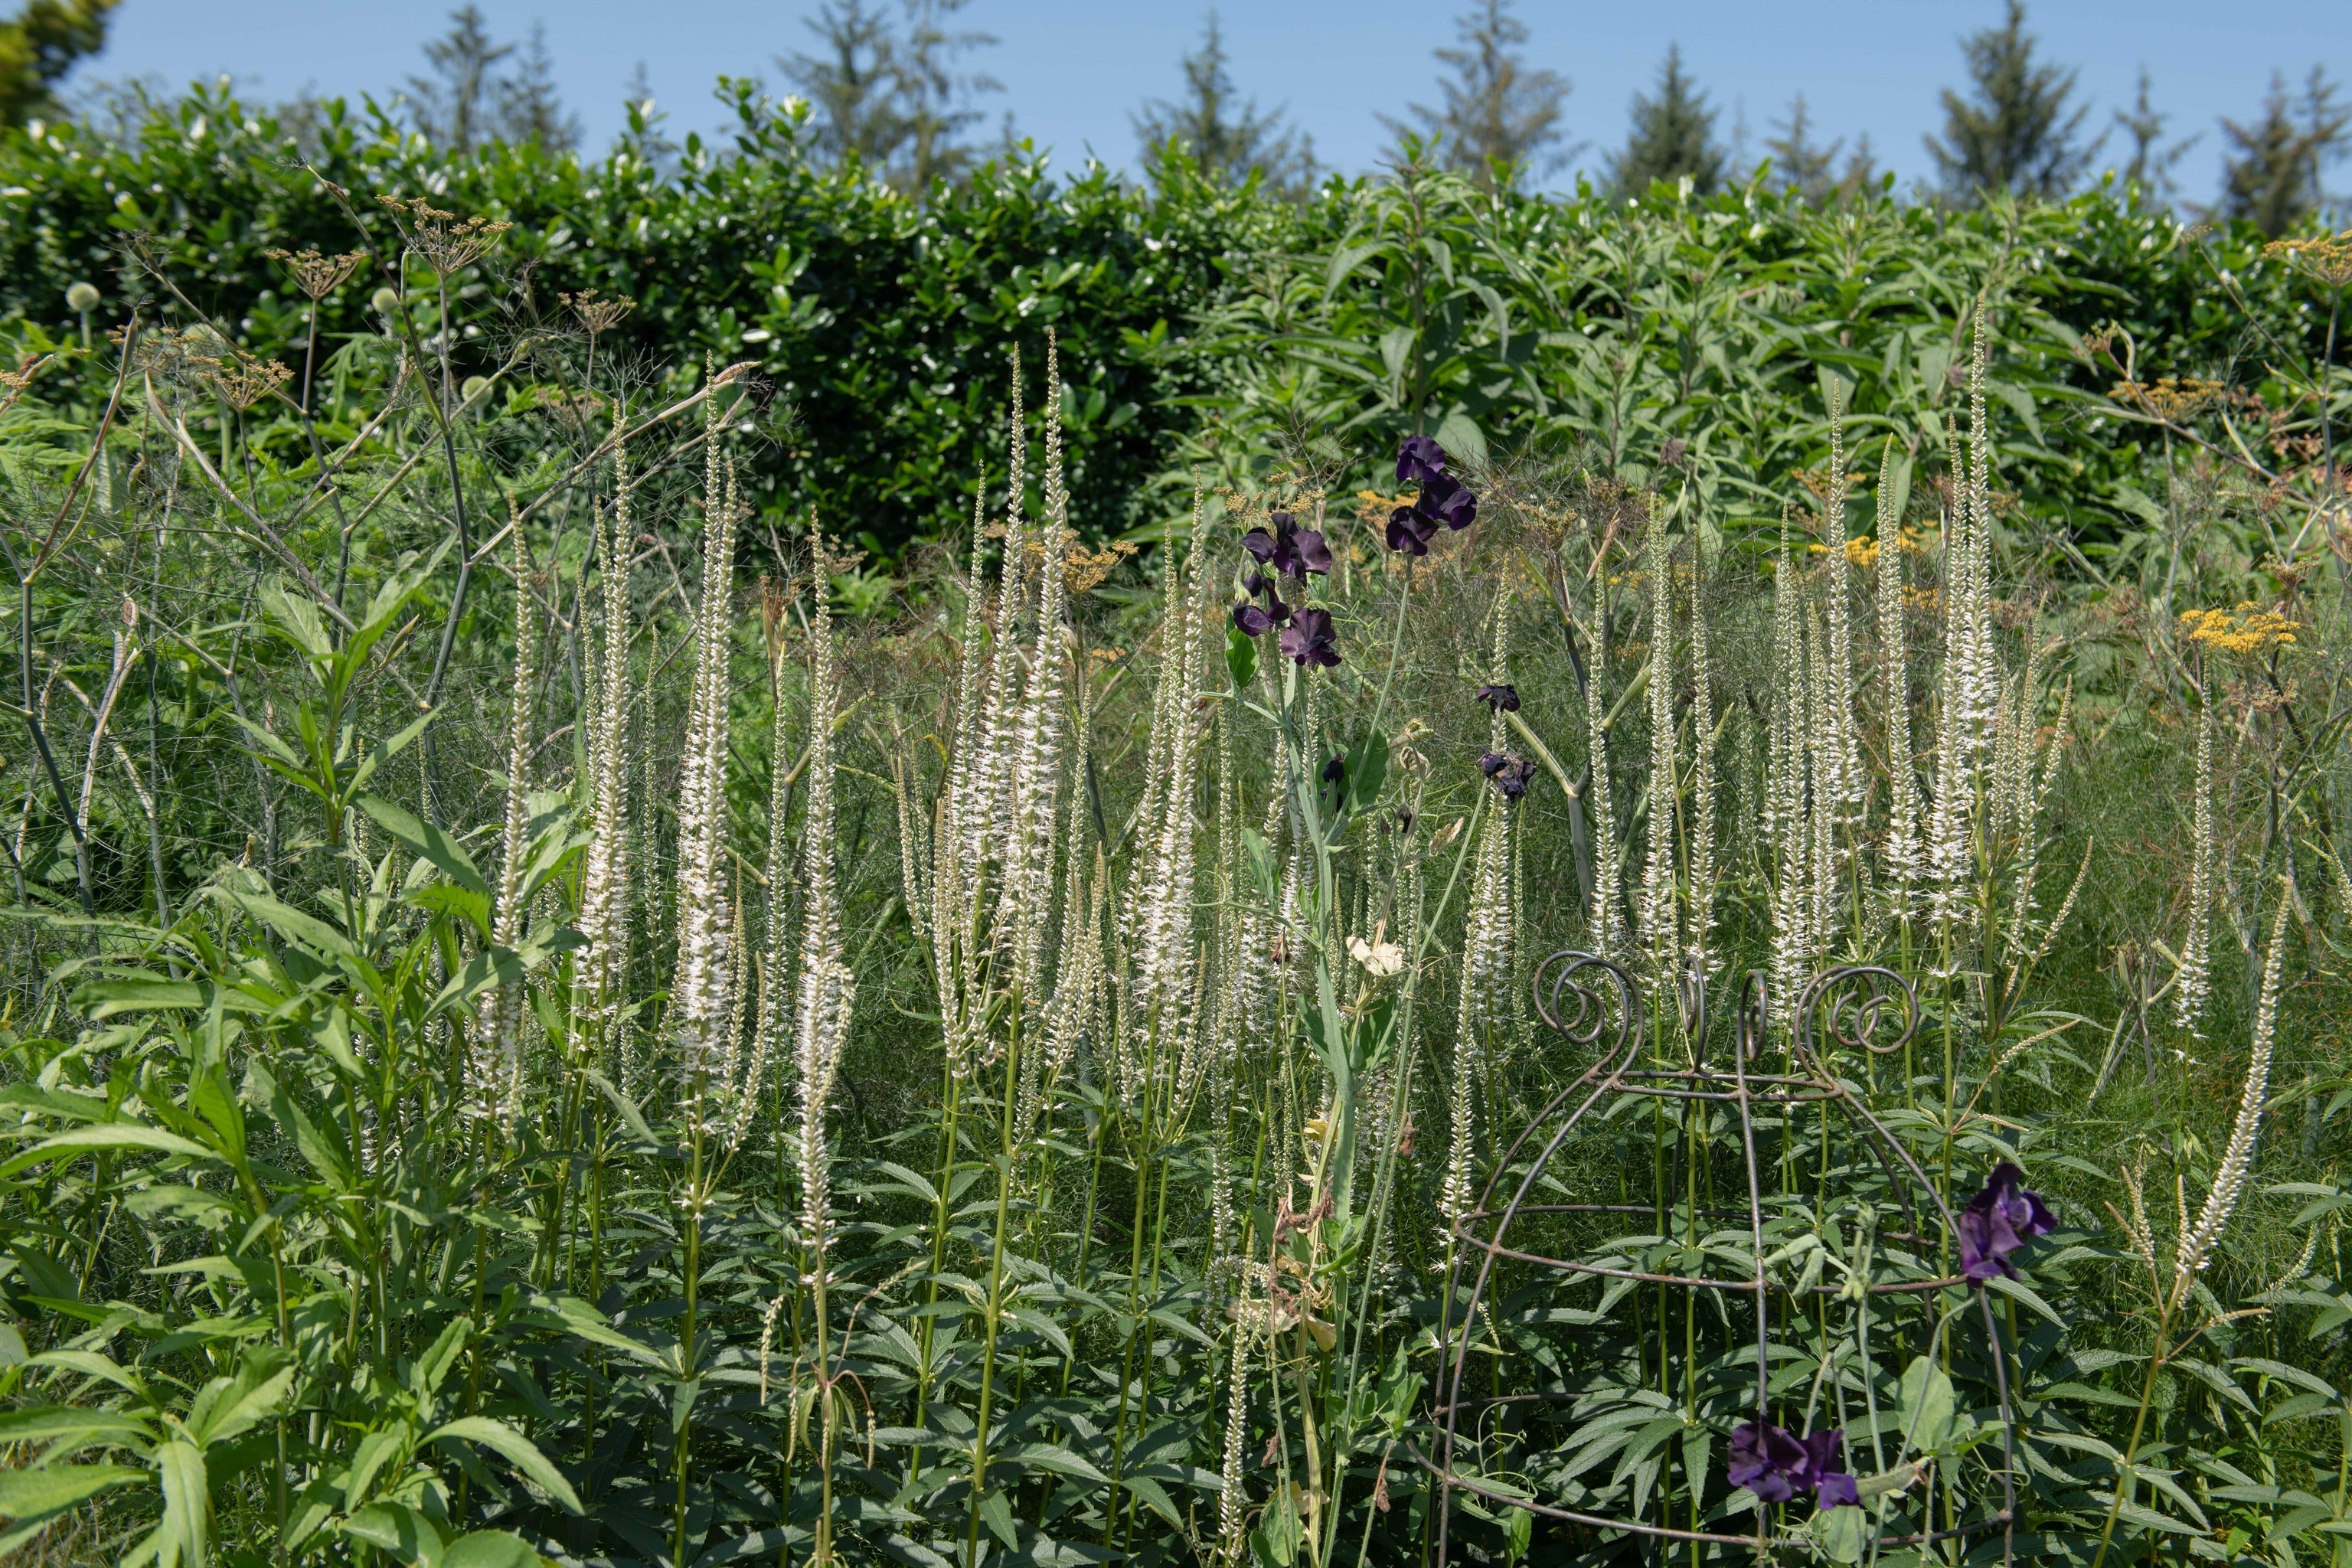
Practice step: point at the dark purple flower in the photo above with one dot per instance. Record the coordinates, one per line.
(1502, 697)
(1997, 1221)
(1446, 500)
(1308, 639)
(1409, 531)
(1419, 460)
(1288, 548)
(1768, 1461)
(1252, 621)
(1776, 1465)
(1823, 1455)
(1404, 819)
(1493, 763)
(1335, 780)
(1513, 777)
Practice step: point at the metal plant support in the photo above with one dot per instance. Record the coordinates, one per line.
(1805, 1119)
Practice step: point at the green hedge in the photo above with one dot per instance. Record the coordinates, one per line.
(1189, 310)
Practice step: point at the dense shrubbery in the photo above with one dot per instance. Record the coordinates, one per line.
(879, 321)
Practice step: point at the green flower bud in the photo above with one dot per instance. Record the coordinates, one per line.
(81, 298)
(386, 300)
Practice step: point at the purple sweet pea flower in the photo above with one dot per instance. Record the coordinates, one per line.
(1501, 697)
(1446, 500)
(1514, 776)
(1823, 1452)
(1997, 1221)
(1419, 460)
(1493, 763)
(1251, 621)
(1409, 533)
(1310, 639)
(1775, 1464)
(1288, 548)
(1768, 1461)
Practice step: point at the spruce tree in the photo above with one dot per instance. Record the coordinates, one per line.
(2272, 175)
(2016, 131)
(888, 96)
(1499, 115)
(1672, 137)
(1227, 137)
(464, 104)
(2152, 162)
(45, 41)
(1806, 168)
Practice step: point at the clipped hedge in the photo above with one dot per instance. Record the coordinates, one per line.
(884, 324)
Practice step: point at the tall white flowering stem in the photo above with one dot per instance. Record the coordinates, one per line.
(2195, 1247)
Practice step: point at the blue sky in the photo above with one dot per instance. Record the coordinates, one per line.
(1074, 70)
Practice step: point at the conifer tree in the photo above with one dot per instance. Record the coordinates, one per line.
(1801, 165)
(1226, 135)
(889, 96)
(2152, 162)
(1673, 136)
(2272, 175)
(1499, 113)
(2016, 131)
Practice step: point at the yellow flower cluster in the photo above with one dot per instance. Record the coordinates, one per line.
(2170, 398)
(2249, 629)
(2328, 260)
(1862, 553)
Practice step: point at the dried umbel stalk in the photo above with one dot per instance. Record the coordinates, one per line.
(317, 275)
(597, 315)
(444, 242)
(243, 380)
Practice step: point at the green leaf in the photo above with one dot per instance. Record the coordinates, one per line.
(426, 842)
(489, 1549)
(517, 1449)
(1367, 770)
(291, 923)
(398, 1530)
(102, 999)
(105, 1137)
(185, 1536)
(1241, 657)
(36, 1494)
(226, 1406)
(1926, 1405)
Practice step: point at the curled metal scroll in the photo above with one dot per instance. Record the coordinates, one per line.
(1846, 1007)
(1690, 998)
(1753, 1021)
(1555, 985)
